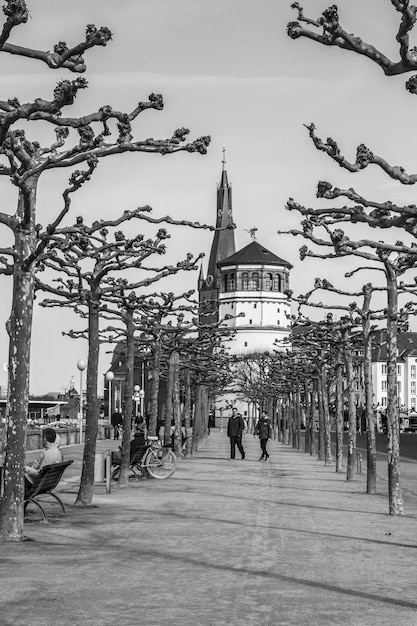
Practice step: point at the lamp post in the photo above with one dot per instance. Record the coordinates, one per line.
(81, 366)
(141, 397)
(136, 397)
(109, 378)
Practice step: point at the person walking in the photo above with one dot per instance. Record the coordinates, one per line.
(264, 430)
(235, 428)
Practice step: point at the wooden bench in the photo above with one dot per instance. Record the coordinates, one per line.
(43, 485)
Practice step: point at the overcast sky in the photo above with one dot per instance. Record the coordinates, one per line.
(226, 68)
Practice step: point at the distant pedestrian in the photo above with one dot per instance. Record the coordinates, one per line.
(117, 423)
(235, 428)
(264, 430)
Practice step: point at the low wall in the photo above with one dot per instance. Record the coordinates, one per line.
(69, 435)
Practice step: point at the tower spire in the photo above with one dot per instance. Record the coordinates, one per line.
(223, 244)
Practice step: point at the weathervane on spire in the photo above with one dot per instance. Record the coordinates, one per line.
(252, 232)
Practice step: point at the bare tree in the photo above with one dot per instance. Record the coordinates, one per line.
(92, 274)
(328, 30)
(77, 140)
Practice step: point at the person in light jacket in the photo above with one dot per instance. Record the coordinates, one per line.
(264, 430)
(51, 455)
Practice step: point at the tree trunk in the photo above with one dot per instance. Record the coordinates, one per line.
(169, 398)
(326, 417)
(347, 354)
(19, 328)
(85, 492)
(291, 414)
(298, 415)
(396, 506)
(322, 436)
(128, 399)
(339, 414)
(307, 405)
(154, 394)
(187, 410)
(369, 409)
(197, 416)
(314, 409)
(176, 405)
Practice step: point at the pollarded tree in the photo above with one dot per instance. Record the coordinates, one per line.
(394, 260)
(361, 315)
(328, 30)
(92, 270)
(77, 140)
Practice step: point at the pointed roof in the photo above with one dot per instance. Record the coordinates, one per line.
(224, 237)
(254, 254)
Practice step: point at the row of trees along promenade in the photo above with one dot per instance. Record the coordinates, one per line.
(106, 276)
(96, 270)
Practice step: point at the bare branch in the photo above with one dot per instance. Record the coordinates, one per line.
(364, 157)
(334, 35)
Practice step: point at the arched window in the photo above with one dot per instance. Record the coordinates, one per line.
(245, 281)
(225, 277)
(254, 281)
(268, 282)
(277, 282)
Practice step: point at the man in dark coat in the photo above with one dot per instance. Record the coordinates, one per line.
(264, 430)
(235, 428)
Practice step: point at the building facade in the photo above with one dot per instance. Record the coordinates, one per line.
(406, 370)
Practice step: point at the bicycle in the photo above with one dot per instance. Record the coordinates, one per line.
(157, 461)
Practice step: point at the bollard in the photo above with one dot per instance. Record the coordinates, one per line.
(99, 468)
(359, 463)
(108, 471)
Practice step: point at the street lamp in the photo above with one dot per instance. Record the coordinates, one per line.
(141, 396)
(136, 397)
(81, 366)
(109, 378)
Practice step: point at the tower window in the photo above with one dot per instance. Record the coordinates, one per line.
(245, 281)
(268, 282)
(255, 305)
(229, 282)
(277, 282)
(246, 344)
(254, 281)
(250, 321)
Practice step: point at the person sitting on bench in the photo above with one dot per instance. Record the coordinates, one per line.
(51, 455)
(137, 442)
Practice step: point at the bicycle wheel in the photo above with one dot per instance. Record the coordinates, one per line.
(161, 463)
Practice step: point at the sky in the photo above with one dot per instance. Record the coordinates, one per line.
(226, 68)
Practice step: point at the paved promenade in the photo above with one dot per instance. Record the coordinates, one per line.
(220, 543)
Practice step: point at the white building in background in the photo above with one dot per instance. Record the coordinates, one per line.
(252, 285)
(248, 285)
(406, 372)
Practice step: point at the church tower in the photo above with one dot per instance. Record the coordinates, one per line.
(222, 247)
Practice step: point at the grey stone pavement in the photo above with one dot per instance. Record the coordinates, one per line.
(221, 542)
